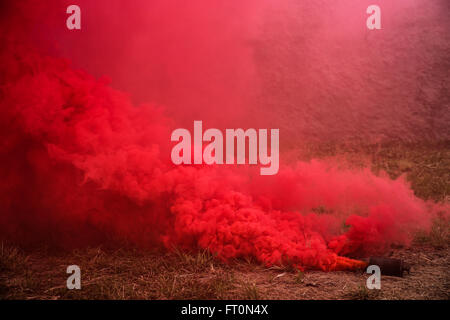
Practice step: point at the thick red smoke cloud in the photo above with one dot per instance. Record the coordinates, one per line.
(81, 164)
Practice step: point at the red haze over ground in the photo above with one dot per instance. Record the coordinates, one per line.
(82, 163)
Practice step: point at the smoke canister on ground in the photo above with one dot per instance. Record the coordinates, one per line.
(390, 266)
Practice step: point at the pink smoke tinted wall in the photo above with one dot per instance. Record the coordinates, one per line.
(311, 68)
(326, 76)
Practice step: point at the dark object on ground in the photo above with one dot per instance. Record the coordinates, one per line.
(390, 266)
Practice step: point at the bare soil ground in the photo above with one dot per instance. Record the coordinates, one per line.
(131, 273)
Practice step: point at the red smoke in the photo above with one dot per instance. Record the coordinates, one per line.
(81, 164)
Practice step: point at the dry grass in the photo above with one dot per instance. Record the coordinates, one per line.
(11, 258)
(439, 235)
(426, 165)
(137, 274)
(129, 273)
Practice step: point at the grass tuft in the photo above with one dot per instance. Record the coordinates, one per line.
(11, 258)
(250, 292)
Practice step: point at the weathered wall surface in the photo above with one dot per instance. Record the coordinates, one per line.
(326, 76)
(308, 67)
